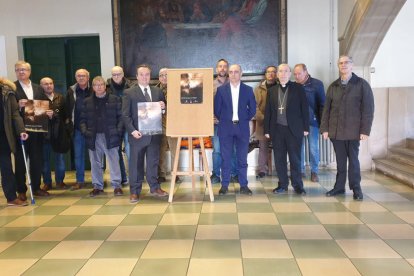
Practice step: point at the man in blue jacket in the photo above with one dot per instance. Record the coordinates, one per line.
(234, 107)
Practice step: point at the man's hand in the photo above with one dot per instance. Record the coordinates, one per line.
(216, 121)
(267, 136)
(325, 135)
(49, 113)
(136, 134)
(363, 137)
(162, 104)
(22, 103)
(306, 133)
(24, 136)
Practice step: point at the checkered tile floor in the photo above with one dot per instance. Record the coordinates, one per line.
(264, 234)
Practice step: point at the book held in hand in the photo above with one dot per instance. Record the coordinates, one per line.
(149, 118)
(35, 117)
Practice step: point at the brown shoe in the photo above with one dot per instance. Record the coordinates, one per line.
(314, 177)
(118, 192)
(46, 187)
(95, 192)
(159, 193)
(133, 198)
(41, 193)
(61, 186)
(22, 196)
(77, 186)
(17, 202)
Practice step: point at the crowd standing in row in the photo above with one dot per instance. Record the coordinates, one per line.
(103, 118)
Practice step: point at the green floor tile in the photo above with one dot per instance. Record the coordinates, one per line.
(120, 249)
(218, 218)
(327, 207)
(254, 208)
(64, 221)
(216, 249)
(6, 219)
(256, 232)
(290, 197)
(48, 210)
(383, 267)
(145, 219)
(297, 218)
(15, 233)
(379, 218)
(350, 231)
(92, 201)
(184, 208)
(324, 249)
(175, 232)
(269, 267)
(398, 206)
(27, 250)
(228, 198)
(114, 210)
(90, 233)
(403, 247)
(161, 267)
(56, 267)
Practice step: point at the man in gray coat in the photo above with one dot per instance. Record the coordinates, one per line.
(347, 118)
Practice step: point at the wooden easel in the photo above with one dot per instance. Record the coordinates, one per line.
(205, 172)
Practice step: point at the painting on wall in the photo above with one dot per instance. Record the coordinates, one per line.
(197, 33)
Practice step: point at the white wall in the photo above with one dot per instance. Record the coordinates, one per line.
(394, 59)
(55, 18)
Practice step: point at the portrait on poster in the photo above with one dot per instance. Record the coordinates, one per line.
(35, 118)
(191, 88)
(149, 118)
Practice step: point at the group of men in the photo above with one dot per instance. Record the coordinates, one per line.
(103, 116)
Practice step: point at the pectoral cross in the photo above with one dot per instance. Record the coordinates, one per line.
(281, 109)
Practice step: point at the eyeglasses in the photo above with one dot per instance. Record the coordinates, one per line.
(21, 69)
(117, 75)
(163, 75)
(98, 85)
(344, 62)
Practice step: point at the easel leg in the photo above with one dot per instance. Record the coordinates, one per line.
(175, 167)
(191, 160)
(206, 170)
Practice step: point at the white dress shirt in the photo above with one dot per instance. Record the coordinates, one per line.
(148, 90)
(235, 92)
(28, 89)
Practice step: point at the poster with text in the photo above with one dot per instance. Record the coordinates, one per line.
(149, 118)
(35, 118)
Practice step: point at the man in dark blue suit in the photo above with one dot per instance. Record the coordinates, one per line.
(234, 107)
(286, 121)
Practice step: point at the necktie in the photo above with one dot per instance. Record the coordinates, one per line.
(146, 95)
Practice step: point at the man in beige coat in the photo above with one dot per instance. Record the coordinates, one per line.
(260, 93)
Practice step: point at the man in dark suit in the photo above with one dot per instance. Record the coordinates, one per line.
(26, 90)
(286, 121)
(234, 107)
(142, 146)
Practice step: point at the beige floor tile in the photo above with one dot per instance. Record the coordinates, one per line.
(49, 234)
(257, 218)
(337, 218)
(252, 199)
(180, 219)
(290, 207)
(119, 200)
(370, 249)
(16, 211)
(149, 209)
(321, 198)
(160, 249)
(411, 261)
(73, 250)
(108, 267)
(6, 244)
(104, 220)
(16, 266)
(393, 231)
(305, 232)
(217, 232)
(400, 188)
(266, 249)
(216, 267)
(29, 221)
(355, 206)
(213, 207)
(406, 216)
(331, 267)
(369, 183)
(81, 210)
(67, 201)
(132, 233)
(387, 197)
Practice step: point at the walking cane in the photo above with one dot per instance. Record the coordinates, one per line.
(27, 172)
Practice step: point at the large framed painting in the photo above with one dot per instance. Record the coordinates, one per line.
(197, 33)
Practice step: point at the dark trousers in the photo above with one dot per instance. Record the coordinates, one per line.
(237, 136)
(34, 151)
(8, 182)
(347, 150)
(284, 144)
(138, 153)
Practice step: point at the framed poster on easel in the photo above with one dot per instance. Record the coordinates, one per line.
(190, 114)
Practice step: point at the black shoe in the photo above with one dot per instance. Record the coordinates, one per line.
(279, 190)
(161, 179)
(215, 179)
(95, 192)
(335, 192)
(300, 191)
(178, 180)
(260, 175)
(245, 191)
(314, 177)
(234, 179)
(223, 190)
(358, 195)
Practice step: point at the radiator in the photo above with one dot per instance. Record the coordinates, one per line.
(326, 152)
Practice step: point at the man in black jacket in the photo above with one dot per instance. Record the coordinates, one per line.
(286, 121)
(26, 90)
(101, 124)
